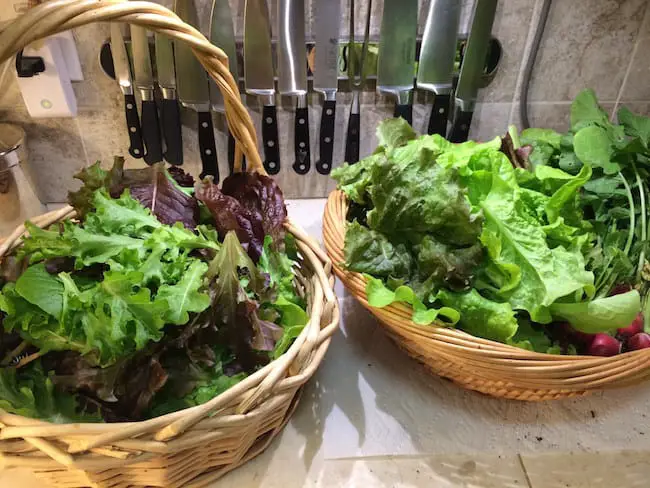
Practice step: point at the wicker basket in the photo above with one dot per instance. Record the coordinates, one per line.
(196, 446)
(479, 364)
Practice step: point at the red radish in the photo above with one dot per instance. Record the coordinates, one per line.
(634, 328)
(638, 341)
(575, 336)
(619, 289)
(604, 345)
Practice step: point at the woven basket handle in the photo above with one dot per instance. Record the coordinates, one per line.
(61, 15)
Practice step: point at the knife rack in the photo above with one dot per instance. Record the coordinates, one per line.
(495, 52)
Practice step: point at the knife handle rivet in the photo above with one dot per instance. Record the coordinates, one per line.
(325, 165)
(328, 111)
(133, 129)
(301, 121)
(441, 111)
(302, 167)
(270, 143)
(208, 151)
(204, 125)
(328, 140)
(301, 144)
(136, 151)
(129, 106)
(269, 120)
(271, 164)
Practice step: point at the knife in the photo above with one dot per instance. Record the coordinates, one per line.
(326, 27)
(258, 77)
(169, 109)
(396, 59)
(292, 74)
(144, 83)
(123, 76)
(476, 51)
(194, 91)
(437, 55)
(222, 34)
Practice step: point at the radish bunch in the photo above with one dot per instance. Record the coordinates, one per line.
(630, 338)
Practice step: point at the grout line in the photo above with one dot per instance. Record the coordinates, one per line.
(631, 63)
(523, 468)
(83, 143)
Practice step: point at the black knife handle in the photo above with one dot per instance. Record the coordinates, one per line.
(170, 112)
(404, 111)
(208, 147)
(302, 150)
(136, 148)
(352, 138)
(151, 132)
(460, 127)
(231, 154)
(439, 115)
(270, 139)
(327, 121)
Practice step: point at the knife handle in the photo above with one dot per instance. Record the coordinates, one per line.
(207, 146)
(270, 139)
(302, 164)
(171, 124)
(136, 148)
(439, 115)
(460, 127)
(327, 120)
(352, 138)
(231, 154)
(151, 132)
(404, 111)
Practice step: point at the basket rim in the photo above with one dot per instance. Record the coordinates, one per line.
(339, 200)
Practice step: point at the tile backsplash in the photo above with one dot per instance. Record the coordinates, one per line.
(598, 43)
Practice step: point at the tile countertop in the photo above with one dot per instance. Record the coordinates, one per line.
(372, 417)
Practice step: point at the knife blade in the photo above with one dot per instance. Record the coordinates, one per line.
(222, 34)
(396, 59)
(437, 54)
(144, 83)
(471, 68)
(194, 91)
(292, 75)
(123, 76)
(326, 27)
(169, 108)
(258, 77)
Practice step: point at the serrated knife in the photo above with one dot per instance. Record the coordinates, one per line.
(222, 34)
(437, 55)
(169, 109)
(194, 91)
(326, 27)
(396, 59)
(471, 68)
(258, 77)
(145, 85)
(123, 76)
(292, 75)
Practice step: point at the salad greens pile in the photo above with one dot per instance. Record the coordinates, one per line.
(507, 238)
(159, 298)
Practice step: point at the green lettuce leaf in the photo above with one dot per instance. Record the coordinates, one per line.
(369, 251)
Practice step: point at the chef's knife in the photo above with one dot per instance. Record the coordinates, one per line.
(194, 91)
(396, 59)
(326, 27)
(471, 68)
(169, 108)
(144, 83)
(437, 54)
(292, 74)
(222, 34)
(123, 76)
(258, 77)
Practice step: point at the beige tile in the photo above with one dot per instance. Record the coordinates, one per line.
(586, 44)
(641, 108)
(636, 85)
(555, 116)
(629, 469)
(55, 153)
(18, 203)
(490, 120)
(450, 471)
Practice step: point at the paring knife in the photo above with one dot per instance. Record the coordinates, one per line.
(222, 35)
(326, 27)
(396, 59)
(194, 91)
(437, 54)
(169, 109)
(258, 77)
(123, 76)
(144, 83)
(292, 74)
(471, 68)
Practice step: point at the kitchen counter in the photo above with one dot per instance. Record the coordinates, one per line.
(373, 417)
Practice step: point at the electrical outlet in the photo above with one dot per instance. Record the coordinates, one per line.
(11, 9)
